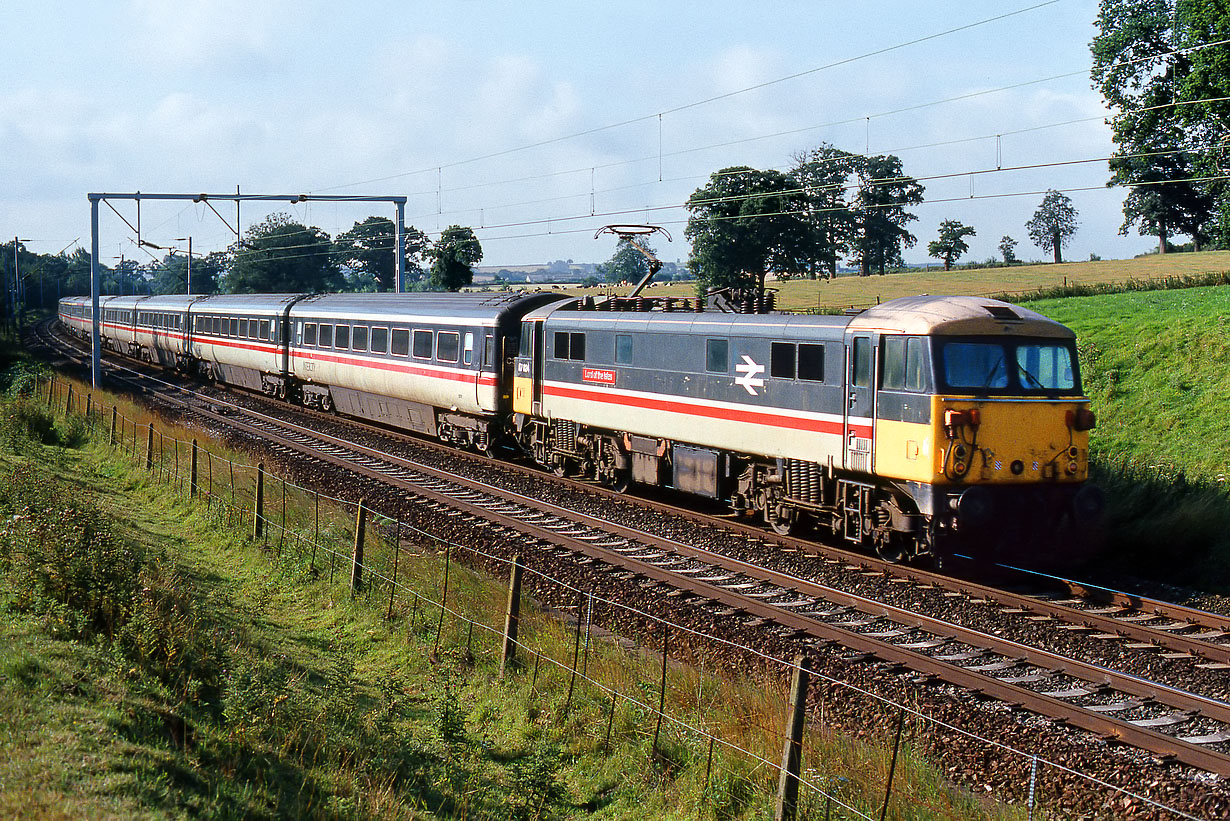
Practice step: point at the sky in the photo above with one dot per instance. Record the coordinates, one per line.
(537, 123)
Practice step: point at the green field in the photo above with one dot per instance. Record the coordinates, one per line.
(854, 291)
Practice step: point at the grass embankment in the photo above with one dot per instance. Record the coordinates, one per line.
(155, 662)
(1156, 366)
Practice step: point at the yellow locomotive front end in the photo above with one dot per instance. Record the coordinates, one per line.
(982, 422)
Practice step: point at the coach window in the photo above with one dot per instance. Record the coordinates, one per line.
(422, 345)
(811, 362)
(309, 333)
(324, 336)
(358, 338)
(234, 327)
(266, 330)
(489, 350)
(401, 342)
(782, 360)
(380, 340)
(717, 355)
(467, 355)
(243, 329)
(576, 347)
(447, 343)
(216, 322)
(623, 349)
(341, 337)
(561, 344)
(200, 324)
(254, 330)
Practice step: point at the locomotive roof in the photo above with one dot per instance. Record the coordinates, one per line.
(957, 316)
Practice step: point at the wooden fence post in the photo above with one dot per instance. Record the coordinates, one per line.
(192, 489)
(356, 565)
(89, 406)
(892, 767)
(258, 513)
(792, 755)
(576, 652)
(115, 412)
(68, 403)
(51, 391)
(396, 557)
(149, 446)
(662, 692)
(512, 617)
(443, 601)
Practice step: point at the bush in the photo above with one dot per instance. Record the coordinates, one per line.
(25, 423)
(64, 560)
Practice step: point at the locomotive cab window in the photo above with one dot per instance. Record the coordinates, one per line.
(717, 355)
(905, 366)
(1010, 366)
(1045, 367)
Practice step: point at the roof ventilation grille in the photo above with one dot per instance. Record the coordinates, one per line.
(1002, 312)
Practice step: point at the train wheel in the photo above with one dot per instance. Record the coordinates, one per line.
(782, 519)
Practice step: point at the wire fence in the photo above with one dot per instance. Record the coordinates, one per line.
(854, 741)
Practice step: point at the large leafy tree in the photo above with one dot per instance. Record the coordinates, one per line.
(1160, 145)
(453, 257)
(627, 264)
(745, 223)
(279, 255)
(1054, 223)
(825, 174)
(950, 244)
(368, 253)
(879, 208)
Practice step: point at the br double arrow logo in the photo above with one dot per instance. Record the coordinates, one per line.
(751, 370)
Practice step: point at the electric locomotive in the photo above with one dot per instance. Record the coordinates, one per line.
(922, 426)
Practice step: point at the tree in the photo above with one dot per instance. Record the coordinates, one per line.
(1159, 145)
(627, 264)
(368, 253)
(279, 255)
(1053, 224)
(825, 174)
(745, 223)
(951, 243)
(1007, 247)
(879, 206)
(453, 256)
(170, 276)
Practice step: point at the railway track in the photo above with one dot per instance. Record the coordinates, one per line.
(1163, 719)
